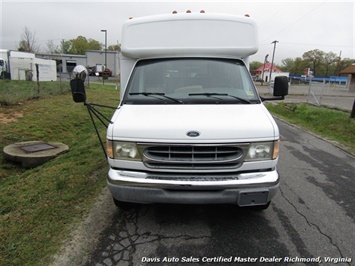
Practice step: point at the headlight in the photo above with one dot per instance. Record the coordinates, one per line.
(122, 150)
(263, 151)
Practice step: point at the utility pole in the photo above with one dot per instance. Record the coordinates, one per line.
(272, 61)
(262, 76)
(103, 71)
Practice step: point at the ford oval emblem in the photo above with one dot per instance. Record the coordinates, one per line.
(193, 134)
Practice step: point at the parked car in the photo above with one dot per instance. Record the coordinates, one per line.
(92, 71)
(107, 72)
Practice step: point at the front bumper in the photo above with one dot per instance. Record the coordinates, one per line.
(243, 189)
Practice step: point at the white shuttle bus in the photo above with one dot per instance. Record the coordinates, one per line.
(190, 127)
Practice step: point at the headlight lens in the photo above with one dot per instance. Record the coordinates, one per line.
(122, 150)
(263, 151)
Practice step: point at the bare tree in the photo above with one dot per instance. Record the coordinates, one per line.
(28, 42)
(51, 47)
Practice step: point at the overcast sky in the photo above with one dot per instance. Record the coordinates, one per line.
(299, 26)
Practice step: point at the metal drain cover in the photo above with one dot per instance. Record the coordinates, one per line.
(37, 147)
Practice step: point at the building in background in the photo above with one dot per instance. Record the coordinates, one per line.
(92, 58)
(350, 71)
(263, 72)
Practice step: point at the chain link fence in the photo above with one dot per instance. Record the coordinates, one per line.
(14, 91)
(336, 95)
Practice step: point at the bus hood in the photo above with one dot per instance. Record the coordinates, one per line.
(193, 123)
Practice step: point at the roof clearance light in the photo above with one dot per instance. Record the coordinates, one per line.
(188, 11)
(202, 11)
(174, 12)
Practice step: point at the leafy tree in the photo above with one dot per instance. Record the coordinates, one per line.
(287, 64)
(28, 42)
(116, 47)
(94, 45)
(330, 60)
(315, 58)
(64, 47)
(78, 46)
(298, 66)
(254, 66)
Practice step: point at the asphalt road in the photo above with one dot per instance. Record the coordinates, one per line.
(311, 220)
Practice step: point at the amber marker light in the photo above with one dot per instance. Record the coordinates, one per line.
(275, 154)
(109, 148)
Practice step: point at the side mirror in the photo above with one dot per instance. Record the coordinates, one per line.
(77, 84)
(281, 86)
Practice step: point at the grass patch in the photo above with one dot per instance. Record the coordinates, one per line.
(332, 124)
(37, 206)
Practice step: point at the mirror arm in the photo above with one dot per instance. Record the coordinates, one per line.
(98, 114)
(90, 110)
(101, 117)
(100, 105)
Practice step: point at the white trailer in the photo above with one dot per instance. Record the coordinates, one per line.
(22, 66)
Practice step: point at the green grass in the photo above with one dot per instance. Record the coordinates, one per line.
(332, 124)
(37, 206)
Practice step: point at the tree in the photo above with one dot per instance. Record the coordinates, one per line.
(330, 60)
(315, 58)
(287, 64)
(81, 44)
(254, 66)
(51, 47)
(28, 42)
(64, 47)
(94, 45)
(321, 63)
(116, 47)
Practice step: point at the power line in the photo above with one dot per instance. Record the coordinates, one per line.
(295, 22)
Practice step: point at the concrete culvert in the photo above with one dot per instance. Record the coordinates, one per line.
(33, 153)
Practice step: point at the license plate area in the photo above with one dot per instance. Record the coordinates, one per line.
(253, 198)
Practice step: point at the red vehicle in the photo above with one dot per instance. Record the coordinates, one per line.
(98, 69)
(107, 72)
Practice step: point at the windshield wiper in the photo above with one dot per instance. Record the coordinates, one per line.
(156, 94)
(220, 94)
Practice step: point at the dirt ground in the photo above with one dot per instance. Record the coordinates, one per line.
(7, 118)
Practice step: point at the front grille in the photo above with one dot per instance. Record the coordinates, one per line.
(196, 156)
